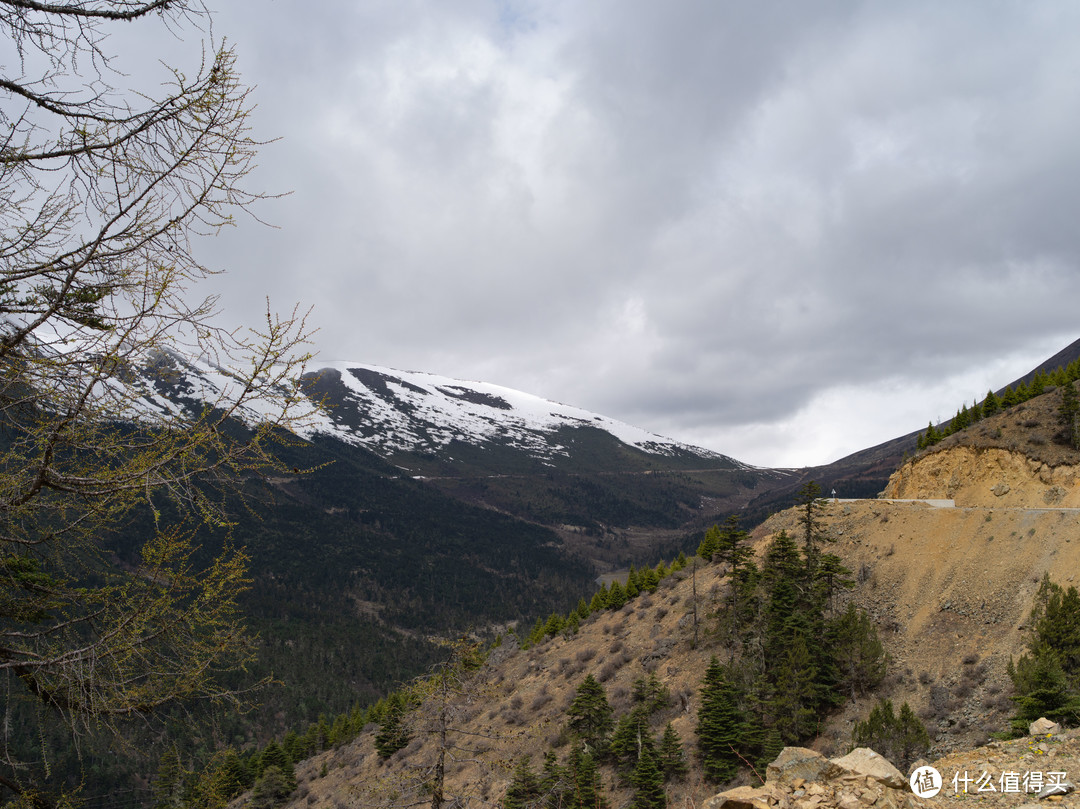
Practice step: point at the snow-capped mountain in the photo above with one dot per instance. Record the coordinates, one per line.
(392, 412)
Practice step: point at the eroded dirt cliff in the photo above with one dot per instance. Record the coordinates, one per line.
(987, 477)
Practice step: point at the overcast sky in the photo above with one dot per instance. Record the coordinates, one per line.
(785, 231)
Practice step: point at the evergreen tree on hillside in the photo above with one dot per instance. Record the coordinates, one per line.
(811, 505)
(1047, 676)
(586, 791)
(525, 788)
(1042, 689)
(555, 783)
(271, 789)
(274, 756)
(784, 577)
(616, 596)
(831, 577)
(648, 778)
(649, 579)
(990, 405)
(796, 696)
(708, 545)
(1069, 415)
(599, 600)
(672, 756)
(626, 741)
(392, 734)
(651, 693)
(591, 715)
(859, 653)
(901, 739)
(721, 725)
(1038, 384)
(169, 782)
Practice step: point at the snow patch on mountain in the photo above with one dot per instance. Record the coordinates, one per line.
(390, 410)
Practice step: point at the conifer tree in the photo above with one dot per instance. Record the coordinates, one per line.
(626, 741)
(392, 734)
(271, 789)
(1047, 676)
(586, 791)
(599, 600)
(648, 778)
(554, 625)
(591, 715)
(222, 780)
(672, 756)
(811, 505)
(990, 405)
(721, 724)
(831, 577)
(1069, 415)
(732, 546)
(901, 739)
(649, 580)
(555, 783)
(525, 788)
(536, 634)
(708, 545)
(1038, 384)
(795, 694)
(274, 756)
(616, 596)
(582, 610)
(784, 577)
(169, 782)
(651, 693)
(859, 653)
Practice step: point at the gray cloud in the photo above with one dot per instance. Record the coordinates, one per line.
(732, 223)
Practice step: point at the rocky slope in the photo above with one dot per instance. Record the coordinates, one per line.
(988, 478)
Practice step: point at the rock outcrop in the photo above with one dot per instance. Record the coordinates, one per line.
(991, 478)
(804, 779)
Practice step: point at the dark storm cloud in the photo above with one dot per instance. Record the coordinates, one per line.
(733, 223)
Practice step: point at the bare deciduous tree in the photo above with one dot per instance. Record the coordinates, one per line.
(103, 189)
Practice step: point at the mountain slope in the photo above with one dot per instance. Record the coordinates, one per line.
(949, 588)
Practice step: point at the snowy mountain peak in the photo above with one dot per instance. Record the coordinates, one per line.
(407, 411)
(392, 412)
